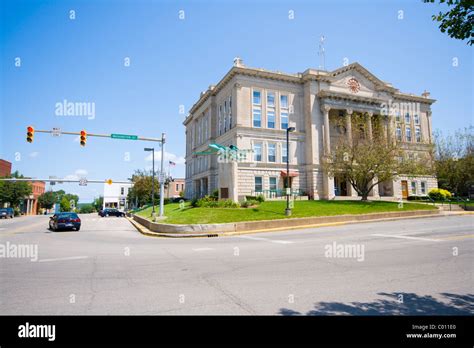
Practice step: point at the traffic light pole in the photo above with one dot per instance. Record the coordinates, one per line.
(162, 176)
(95, 135)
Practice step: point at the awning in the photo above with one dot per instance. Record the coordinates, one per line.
(292, 174)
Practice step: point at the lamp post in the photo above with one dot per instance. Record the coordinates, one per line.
(288, 186)
(152, 149)
(162, 176)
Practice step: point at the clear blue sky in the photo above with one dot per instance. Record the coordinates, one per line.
(173, 60)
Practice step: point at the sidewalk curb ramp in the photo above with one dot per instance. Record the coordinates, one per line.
(155, 229)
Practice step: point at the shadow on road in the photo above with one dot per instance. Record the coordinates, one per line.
(412, 304)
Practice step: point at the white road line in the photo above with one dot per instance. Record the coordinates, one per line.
(1, 228)
(64, 258)
(267, 240)
(406, 237)
(202, 249)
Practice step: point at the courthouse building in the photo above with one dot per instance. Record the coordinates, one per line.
(251, 108)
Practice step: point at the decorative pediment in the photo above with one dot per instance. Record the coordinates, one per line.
(356, 77)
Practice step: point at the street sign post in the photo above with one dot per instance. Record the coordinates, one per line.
(124, 136)
(56, 132)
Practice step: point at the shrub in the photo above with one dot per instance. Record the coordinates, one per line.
(439, 194)
(250, 198)
(215, 194)
(194, 202)
(418, 198)
(228, 203)
(260, 198)
(249, 203)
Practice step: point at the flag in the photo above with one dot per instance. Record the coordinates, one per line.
(172, 163)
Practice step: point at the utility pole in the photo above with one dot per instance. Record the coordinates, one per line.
(152, 149)
(162, 176)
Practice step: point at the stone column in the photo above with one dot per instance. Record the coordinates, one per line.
(328, 182)
(349, 125)
(369, 125)
(327, 139)
(428, 115)
(28, 206)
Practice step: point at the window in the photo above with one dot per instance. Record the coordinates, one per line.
(225, 116)
(399, 133)
(257, 118)
(177, 187)
(273, 183)
(284, 154)
(284, 119)
(182, 187)
(423, 187)
(413, 187)
(257, 152)
(408, 133)
(271, 119)
(284, 101)
(271, 152)
(230, 112)
(122, 191)
(220, 120)
(258, 184)
(416, 119)
(407, 118)
(397, 116)
(418, 134)
(256, 98)
(270, 99)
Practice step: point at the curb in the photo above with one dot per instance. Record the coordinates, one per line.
(145, 231)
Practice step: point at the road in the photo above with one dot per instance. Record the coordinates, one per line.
(413, 266)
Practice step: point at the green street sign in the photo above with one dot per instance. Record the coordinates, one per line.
(124, 136)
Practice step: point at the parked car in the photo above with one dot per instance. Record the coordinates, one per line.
(111, 212)
(7, 213)
(64, 221)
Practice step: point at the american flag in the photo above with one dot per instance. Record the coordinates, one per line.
(172, 163)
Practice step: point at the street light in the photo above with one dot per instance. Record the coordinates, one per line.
(152, 149)
(288, 186)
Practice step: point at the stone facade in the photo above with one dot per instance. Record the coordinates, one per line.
(252, 108)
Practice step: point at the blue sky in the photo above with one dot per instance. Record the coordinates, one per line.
(172, 60)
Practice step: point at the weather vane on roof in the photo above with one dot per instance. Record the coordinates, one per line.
(322, 53)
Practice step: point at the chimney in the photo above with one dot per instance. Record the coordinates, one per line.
(238, 62)
(425, 94)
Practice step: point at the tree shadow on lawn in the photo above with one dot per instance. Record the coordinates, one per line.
(413, 304)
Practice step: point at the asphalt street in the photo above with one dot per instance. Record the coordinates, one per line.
(415, 266)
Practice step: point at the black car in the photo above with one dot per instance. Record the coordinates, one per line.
(6, 213)
(111, 212)
(64, 221)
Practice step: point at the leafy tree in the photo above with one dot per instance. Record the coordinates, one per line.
(72, 197)
(86, 209)
(458, 21)
(98, 203)
(14, 192)
(367, 161)
(47, 199)
(454, 160)
(142, 188)
(65, 205)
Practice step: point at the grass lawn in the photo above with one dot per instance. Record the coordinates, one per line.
(272, 210)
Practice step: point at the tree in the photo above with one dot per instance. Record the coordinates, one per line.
(367, 161)
(454, 160)
(47, 199)
(142, 188)
(98, 203)
(65, 206)
(458, 21)
(86, 209)
(14, 192)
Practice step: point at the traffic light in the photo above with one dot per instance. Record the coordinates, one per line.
(109, 181)
(83, 137)
(30, 133)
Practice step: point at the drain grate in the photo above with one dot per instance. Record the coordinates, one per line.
(212, 235)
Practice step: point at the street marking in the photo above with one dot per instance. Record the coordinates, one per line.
(267, 240)
(64, 258)
(406, 237)
(202, 249)
(466, 236)
(1, 228)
